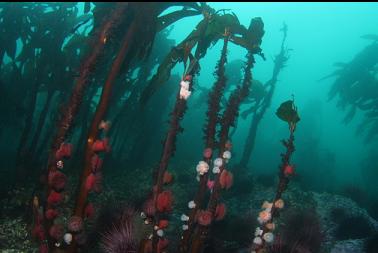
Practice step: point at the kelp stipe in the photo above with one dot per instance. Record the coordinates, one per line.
(264, 234)
(162, 200)
(223, 178)
(210, 144)
(258, 110)
(59, 148)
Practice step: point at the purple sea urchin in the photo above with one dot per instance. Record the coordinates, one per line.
(120, 238)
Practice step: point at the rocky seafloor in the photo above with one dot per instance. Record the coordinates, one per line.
(344, 225)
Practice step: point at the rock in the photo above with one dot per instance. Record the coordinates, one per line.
(348, 246)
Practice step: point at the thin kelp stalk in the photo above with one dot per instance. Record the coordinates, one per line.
(210, 130)
(264, 234)
(90, 170)
(83, 81)
(22, 152)
(100, 114)
(41, 121)
(176, 55)
(223, 178)
(162, 201)
(60, 149)
(259, 112)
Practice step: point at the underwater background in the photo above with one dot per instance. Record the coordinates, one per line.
(113, 116)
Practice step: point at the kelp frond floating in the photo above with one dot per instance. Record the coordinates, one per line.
(355, 87)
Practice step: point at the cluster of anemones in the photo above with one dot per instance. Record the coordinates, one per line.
(57, 181)
(185, 85)
(226, 178)
(265, 232)
(184, 218)
(93, 182)
(164, 201)
(75, 227)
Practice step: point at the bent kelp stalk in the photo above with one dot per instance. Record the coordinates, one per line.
(90, 170)
(72, 108)
(259, 111)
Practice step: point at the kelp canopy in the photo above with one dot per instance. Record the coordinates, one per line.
(207, 32)
(356, 87)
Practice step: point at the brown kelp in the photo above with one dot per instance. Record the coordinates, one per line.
(262, 103)
(264, 234)
(207, 32)
(91, 177)
(223, 178)
(210, 143)
(91, 170)
(216, 210)
(356, 88)
(162, 200)
(61, 149)
(73, 105)
(34, 64)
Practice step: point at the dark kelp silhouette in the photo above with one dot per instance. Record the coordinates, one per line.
(207, 32)
(356, 88)
(261, 100)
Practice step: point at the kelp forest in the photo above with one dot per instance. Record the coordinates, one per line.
(118, 137)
